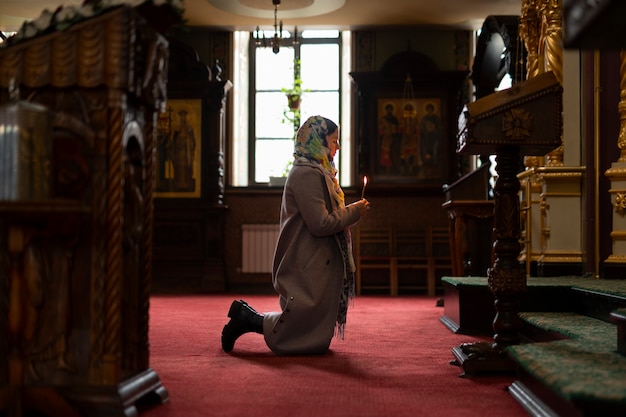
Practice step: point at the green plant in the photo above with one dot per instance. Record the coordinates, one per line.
(294, 95)
(296, 89)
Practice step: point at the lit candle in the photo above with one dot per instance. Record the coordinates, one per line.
(364, 184)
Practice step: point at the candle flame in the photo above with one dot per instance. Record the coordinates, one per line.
(365, 180)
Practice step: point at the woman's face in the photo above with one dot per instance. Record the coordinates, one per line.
(333, 143)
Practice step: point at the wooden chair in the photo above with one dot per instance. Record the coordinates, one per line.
(440, 258)
(374, 251)
(412, 253)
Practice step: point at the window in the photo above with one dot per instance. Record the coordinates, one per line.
(5, 35)
(263, 147)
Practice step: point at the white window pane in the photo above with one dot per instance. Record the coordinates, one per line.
(272, 158)
(241, 113)
(324, 104)
(274, 71)
(315, 33)
(347, 146)
(271, 121)
(320, 67)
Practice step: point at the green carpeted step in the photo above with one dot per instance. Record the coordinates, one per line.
(583, 330)
(585, 368)
(615, 287)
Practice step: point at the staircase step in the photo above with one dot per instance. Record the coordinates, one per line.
(584, 371)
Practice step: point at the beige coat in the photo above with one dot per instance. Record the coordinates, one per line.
(308, 268)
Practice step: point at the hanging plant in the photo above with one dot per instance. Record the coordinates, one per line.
(296, 89)
(293, 101)
(294, 97)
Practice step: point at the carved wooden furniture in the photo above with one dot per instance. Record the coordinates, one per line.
(469, 221)
(394, 149)
(189, 231)
(470, 213)
(75, 265)
(525, 119)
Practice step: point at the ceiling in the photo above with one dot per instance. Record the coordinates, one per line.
(342, 14)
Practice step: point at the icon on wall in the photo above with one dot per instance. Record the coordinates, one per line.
(178, 149)
(409, 138)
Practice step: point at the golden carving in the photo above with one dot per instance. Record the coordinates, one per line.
(552, 38)
(616, 172)
(533, 161)
(616, 259)
(560, 173)
(529, 30)
(545, 231)
(618, 235)
(621, 140)
(552, 52)
(620, 203)
(559, 258)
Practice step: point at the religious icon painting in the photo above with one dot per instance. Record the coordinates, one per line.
(178, 150)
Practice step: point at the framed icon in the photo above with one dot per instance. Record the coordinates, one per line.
(178, 150)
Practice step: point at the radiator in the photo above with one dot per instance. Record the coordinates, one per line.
(258, 243)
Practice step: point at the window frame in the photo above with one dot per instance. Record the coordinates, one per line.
(252, 90)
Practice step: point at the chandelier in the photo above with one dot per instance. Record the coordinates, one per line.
(277, 39)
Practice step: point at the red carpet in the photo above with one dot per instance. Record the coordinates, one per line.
(393, 362)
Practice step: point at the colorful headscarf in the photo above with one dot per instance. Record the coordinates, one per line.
(312, 145)
(311, 142)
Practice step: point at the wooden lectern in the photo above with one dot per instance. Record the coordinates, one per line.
(523, 120)
(75, 262)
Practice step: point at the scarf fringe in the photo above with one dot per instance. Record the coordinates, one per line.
(340, 331)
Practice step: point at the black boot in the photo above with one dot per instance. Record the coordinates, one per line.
(243, 319)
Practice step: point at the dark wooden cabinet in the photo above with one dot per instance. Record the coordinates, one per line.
(189, 215)
(75, 260)
(406, 124)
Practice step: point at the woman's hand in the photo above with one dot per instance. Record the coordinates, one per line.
(364, 206)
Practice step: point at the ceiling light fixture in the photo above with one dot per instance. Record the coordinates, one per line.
(277, 39)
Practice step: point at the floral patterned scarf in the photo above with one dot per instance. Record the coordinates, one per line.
(311, 145)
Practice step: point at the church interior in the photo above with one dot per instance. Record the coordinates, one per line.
(515, 222)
